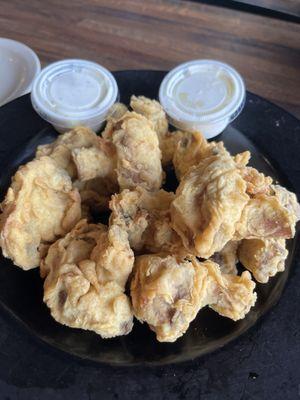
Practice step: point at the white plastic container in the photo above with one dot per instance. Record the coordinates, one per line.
(69, 93)
(202, 95)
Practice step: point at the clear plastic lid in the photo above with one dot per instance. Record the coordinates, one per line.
(72, 92)
(202, 93)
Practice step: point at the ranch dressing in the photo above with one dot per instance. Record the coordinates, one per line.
(202, 95)
(69, 93)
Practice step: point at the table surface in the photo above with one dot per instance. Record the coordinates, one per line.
(132, 34)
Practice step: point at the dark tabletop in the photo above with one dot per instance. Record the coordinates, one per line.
(267, 369)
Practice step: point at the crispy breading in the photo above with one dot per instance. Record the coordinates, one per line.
(146, 218)
(242, 159)
(153, 111)
(231, 296)
(257, 182)
(40, 206)
(263, 257)
(72, 289)
(168, 144)
(227, 258)
(189, 151)
(82, 153)
(98, 161)
(167, 293)
(288, 200)
(138, 154)
(117, 112)
(208, 203)
(61, 149)
(90, 161)
(113, 256)
(265, 217)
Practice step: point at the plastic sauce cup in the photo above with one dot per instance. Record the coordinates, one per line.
(202, 95)
(69, 93)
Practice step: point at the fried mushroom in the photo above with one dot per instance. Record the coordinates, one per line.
(168, 145)
(40, 206)
(264, 258)
(61, 149)
(153, 111)
(113, 256)
(209, 202)
(265, 217)
(96, 162)
(138, 154)
(188, 152)
(167, 293)
(90, 161)
(145, 216)
(72, 289)
(227, 258)
(117, 112)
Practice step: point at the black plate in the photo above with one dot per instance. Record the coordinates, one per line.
(261, 128)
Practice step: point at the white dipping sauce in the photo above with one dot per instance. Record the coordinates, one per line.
(202, 95)
(74, 92)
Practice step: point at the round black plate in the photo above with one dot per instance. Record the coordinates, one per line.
(261, 128)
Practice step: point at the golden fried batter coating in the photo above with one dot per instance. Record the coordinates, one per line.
(113, 256)
(257, 182)
(96, 162)
(288, 200)
(145, 216)
(90, 161)
(72, 289)
(263, 257)
(242, 159)
(139, 156)
(190, 150)
(117, 112)
(76, 246)
(227, 258)
(265, 217)
(83, 154)
(61, 149)
(168, 144)
(168, 293)
(209, 202)
(194, 148)
(229, 295)
(153, 111)
(39, 207)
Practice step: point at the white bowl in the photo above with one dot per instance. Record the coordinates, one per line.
(19, 65)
